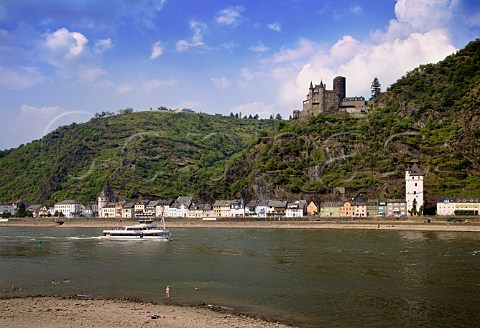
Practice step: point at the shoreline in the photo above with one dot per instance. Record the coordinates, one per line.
(75, 311)
(409, 225)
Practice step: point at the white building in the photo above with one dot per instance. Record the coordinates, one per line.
(414, 189)
(448, 205)
(69, 208)
(294, 210)
(7, 208)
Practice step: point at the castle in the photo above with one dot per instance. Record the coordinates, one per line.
(320, 100)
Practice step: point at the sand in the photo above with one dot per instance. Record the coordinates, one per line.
(53, 312)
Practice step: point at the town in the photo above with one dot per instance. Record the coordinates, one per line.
(184, 207)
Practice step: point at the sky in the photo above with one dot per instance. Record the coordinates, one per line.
(63, 61)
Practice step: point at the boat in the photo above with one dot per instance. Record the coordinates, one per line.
(144, 230)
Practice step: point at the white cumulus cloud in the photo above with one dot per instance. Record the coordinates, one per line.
(65, 45)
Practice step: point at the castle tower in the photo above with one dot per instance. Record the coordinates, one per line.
(102, 202)
(414, 189)
(340, 86)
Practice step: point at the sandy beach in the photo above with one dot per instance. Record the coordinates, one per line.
(53, 312)
(416, 225)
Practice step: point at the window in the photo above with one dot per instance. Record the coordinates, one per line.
(414, 192)
(415, 184)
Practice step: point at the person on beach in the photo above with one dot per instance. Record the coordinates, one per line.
(167, 292)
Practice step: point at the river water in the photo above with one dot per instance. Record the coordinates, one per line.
(318, 278)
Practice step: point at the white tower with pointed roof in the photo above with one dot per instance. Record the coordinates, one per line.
(414, 188)
(102, 202)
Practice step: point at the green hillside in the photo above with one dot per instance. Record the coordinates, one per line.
(131, 155)
(431, 115)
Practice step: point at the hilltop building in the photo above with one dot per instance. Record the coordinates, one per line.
(320, 100)
(414, 189)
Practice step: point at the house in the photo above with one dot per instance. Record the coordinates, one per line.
(150, 208)
(35, 210)
(458, 206)
(69, 208)
(183, 203)
(330, 209)
(128, 210)
(237, 208)
(7, 208)
(312, 208)
(382, 208)
(396, 207)
(108, 210)
(199, 210)
(195, 210)
(140, 207)
(261, 209)
(87, 211)
(296, 209)
(44, 211)
(162, 208)
(221, 208)
(250, 208)
(372, 208)
(357, 207)
(276, 207)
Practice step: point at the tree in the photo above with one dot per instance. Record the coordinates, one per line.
(375, 88)
(278, 117)
(413, 210)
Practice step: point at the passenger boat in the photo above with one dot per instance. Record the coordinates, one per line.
(145, 230)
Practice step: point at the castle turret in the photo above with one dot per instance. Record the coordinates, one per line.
(414, 189)
(340, 86)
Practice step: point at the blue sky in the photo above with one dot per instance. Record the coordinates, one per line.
(63, 61)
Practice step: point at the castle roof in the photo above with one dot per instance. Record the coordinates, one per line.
(415, 170)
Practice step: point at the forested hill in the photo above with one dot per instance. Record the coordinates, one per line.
(131, 155)
(431, 115)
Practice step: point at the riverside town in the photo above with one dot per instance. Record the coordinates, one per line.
(184, 207)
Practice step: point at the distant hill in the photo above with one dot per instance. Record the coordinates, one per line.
(431, 115)
(131, 155)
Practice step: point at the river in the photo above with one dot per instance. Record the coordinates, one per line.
(318, 278)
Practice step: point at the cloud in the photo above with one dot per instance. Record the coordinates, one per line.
(230, 16)
(35, 122)
(259, 47)
(196, 41)
(151, 85)
(157, 50)
(275, 27)
(20, 77)
(103, 45)
(221, 82)
(63, 45)
(303, 49)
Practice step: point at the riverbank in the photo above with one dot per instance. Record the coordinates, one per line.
(367, 224)
(53, 312)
